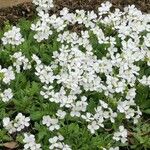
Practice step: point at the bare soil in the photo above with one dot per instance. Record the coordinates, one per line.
(27, 10)
(9, 3)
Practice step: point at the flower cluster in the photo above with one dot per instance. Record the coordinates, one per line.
(89, 62)
(145, 80)
(57, 143)
(102, 113)
(121, 135)
(126, 108)
(147, 40)
(111, 148)
(61, 114)
(78, 107)
(43, 4)
(13, 37)
(30, 143)
(7, 74)
(7, 95)
(16, 125)
(51, 123)
(20, 61)
(80, 70)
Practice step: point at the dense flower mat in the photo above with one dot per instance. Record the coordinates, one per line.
(76, 81)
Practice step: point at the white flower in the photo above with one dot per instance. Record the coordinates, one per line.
(57, 143)
(7, 74)
(28, 138)
(131, 94)
(6, 121)
(145, 80)
(43, 4)
(147, 40)
(8, 125)
(112, 115)
(127, 107)
(13, 37)
(101, 114)
(103, 104)
(46, 120)
(93, 127)
(123, 106)
(20, 61)
(19, 123)
(61, 114)
(51, 123)
(121, 135)
(30, 143)
(78, 107)
(66, 147)
(88, 117)
(105, 7)
(45, 73)
(56, 138)
(114, 148)
(7, 95)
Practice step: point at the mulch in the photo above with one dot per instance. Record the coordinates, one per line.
(27, 10)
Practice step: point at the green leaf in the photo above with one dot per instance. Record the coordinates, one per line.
(36, 115)
(147, 111)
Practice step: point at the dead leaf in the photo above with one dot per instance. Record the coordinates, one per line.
(10, 145)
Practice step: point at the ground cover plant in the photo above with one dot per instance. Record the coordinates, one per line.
(76, 81)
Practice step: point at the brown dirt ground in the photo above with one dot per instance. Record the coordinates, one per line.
(27, 10)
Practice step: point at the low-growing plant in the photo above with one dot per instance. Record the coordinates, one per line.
(76, 80)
